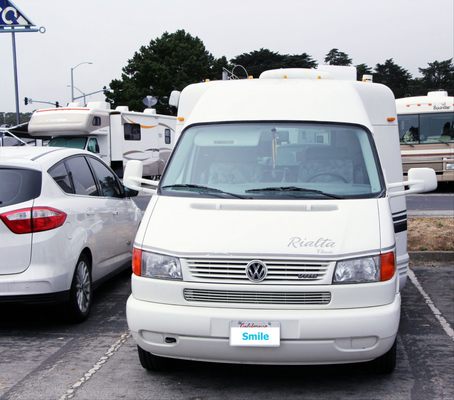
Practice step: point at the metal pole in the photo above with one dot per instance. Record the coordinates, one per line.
(72, 85)
(16, 86)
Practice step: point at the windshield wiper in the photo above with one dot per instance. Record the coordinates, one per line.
(293, 189)
(200, 189)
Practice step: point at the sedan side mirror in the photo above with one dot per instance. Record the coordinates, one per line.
(130, 192)
(420, 180)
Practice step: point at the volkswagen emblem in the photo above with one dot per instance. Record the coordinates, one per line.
(256, 271)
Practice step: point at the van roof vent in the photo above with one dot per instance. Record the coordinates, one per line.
(149, 111)
(337, 72)
(122, 108)
(98, 105)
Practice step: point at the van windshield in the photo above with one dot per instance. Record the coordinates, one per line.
(274, 160)
(71, 142)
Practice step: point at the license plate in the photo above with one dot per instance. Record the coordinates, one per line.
(255, 334)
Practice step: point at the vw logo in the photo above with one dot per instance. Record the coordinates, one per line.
(256, 271)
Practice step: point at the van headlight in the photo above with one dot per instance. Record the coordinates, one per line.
(366, 269)
(155, 265)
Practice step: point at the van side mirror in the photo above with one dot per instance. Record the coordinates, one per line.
(174, 98)
(132, 178)
(420, 180)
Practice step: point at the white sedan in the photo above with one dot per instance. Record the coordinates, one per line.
(66, 224)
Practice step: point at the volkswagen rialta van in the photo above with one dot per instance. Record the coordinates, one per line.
(277, 234)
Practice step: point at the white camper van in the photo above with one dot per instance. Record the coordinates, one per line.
(426, 130)
(277, 234)
(115, 135)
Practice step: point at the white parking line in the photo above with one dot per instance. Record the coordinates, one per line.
(96, 367)
(435, 311)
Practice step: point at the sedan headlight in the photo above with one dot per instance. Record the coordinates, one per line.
(366, 269)
(154, 265)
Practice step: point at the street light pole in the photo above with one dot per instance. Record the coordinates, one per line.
(84, 95)
(72, 77)
(16, 86)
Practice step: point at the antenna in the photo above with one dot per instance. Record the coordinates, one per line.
(229, 74)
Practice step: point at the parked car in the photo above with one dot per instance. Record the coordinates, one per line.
(66, 224)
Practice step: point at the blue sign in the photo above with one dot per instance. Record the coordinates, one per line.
(11, 16)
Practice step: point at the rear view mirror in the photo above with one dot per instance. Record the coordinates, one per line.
(420, 180)
(174, 98)
(132, 178)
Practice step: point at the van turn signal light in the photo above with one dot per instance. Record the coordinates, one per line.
(388, 266)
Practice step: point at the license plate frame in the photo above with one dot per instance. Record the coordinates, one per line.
(255, 334)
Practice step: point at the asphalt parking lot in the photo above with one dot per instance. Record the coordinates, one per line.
(43, 357)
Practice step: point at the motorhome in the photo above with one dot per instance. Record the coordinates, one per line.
(278, 232)
(115, 135)
(426, 130)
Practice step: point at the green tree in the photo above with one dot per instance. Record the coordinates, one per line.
(336, 57)
(398, 79)
(438, 75)
(258, 61)
(9, 118)
(261, 60)
(168, 63)
(362, 69)
(303, 60)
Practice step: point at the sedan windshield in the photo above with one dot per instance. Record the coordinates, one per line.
(274, 160)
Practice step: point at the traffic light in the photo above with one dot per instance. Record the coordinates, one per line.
(26, 100)
(57, 104)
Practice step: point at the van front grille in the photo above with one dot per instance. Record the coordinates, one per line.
(256, 297)
(278, 271)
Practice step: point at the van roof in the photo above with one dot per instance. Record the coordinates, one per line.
(327, 100)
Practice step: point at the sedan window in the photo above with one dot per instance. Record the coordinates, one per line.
(60, 175)
(18, 185)
(84, 183)
(106, 179)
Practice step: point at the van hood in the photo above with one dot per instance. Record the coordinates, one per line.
(186, 226)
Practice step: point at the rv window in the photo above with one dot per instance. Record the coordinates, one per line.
(167, 136)
(436, 128)
(60, 175)
(69, 141)
(132, 131)
(93, 146)
(96, 121)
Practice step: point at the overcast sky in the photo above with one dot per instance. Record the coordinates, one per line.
(108, 32)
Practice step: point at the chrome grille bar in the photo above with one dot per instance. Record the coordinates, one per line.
(278, 270)
(256, 297)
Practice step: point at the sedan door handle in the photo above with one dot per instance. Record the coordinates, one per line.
(89, 214)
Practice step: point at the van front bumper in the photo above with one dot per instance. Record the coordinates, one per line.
(307, 336)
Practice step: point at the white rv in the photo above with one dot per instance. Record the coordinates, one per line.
(288, 235)
(426, 129)
(115, 135)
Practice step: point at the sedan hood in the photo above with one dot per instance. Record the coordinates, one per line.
(328, 228)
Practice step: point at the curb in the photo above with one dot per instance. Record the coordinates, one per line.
(431, 256)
